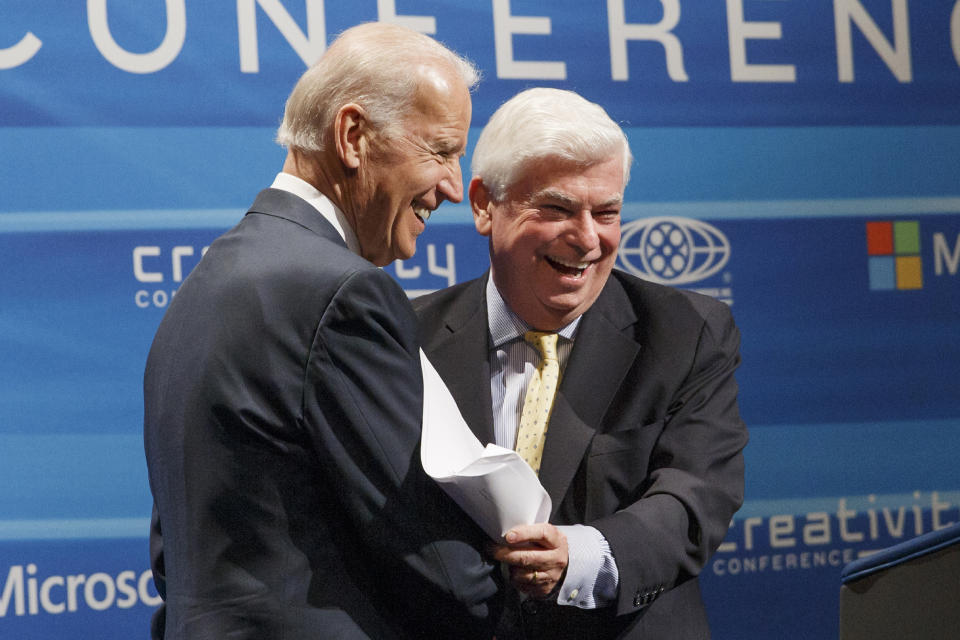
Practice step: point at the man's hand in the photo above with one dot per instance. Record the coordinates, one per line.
(537, 557)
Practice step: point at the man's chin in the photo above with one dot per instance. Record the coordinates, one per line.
(565, 307)
(405, 253)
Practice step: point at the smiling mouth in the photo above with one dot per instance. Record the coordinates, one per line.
(568, 268)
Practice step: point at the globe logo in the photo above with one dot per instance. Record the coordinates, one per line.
(674, 251)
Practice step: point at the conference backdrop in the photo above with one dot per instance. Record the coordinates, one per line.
(797, 159)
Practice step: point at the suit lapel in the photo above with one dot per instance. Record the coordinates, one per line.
(461, 357)
(602, 355)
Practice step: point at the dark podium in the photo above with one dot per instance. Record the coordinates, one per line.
(908, 591)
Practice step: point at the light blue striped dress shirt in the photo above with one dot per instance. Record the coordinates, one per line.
(592, 575)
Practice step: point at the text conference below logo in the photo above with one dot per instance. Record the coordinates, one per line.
(673, 251)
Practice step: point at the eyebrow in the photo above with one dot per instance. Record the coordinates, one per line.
(449, 146)
(559, 196)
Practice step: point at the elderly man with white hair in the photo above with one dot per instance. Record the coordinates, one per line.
(283, 391)
(618, 392)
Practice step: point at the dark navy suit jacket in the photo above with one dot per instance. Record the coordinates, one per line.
(282, 420)
(644, 442)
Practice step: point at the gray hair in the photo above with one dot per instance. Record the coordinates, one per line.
(539, 124)
(367, 65)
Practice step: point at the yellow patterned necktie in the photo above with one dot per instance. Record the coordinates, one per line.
(538, 402)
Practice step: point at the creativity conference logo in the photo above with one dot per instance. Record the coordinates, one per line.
(675, 251)
(829, 532)
(893, 250)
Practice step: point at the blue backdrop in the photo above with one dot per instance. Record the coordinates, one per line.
(798, 160)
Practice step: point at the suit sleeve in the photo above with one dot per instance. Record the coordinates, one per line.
(695, 479)
(158, 620)
(363, 409)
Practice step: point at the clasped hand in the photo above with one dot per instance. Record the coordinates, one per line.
(537, 557)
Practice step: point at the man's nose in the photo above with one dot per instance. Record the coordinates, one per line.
(583, 231)
(451, 184)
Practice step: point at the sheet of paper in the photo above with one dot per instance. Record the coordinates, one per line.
(492, 484)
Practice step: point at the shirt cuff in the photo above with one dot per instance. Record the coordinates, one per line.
(592, 577)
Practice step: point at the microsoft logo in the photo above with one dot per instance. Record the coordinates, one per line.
(894, 255)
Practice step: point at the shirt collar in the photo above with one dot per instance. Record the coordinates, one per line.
(323, 204)
(506, 326)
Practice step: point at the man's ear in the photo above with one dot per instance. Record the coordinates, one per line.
(351, 131)
(480, 204)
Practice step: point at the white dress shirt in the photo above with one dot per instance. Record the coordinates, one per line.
(592, 575)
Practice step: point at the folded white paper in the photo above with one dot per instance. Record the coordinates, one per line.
(492, 484)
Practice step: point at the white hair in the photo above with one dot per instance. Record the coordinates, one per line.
(539, 124)
(369, 65)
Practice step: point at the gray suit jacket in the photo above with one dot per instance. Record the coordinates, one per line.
(282, 420)
(644, 442)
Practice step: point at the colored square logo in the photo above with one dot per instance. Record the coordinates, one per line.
(893, 250)
(882, 273)
(879, 238)
(906, 238)
(909, 272)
